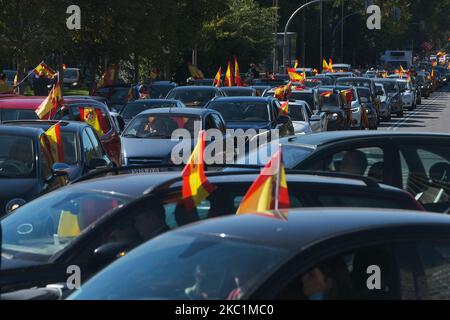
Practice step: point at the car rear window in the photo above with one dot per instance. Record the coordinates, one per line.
(12, 115)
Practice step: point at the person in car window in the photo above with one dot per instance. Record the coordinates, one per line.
(197, 292)
(354, 162)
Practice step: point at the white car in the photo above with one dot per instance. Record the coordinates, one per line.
(408, 95)
(304, 120)
(385, 110)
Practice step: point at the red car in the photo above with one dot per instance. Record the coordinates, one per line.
(23, 108)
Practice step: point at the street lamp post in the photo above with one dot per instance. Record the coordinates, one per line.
(289, 23)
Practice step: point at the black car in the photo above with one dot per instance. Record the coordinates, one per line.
(117, 95)
(133, 108)
(425, 85)
(240, 91)
(258, 113)
(331, 103)
(160, 89)
(195, 96)
(416, 162)
(393, 91)
(24, 172)
(83, 151)
(116, 214)
(312, 254)
(366, 100)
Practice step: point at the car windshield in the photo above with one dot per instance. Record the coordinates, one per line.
(403, 85)
(185, 267)
(70, 74)
(133, 109)
(355, 83)
(193, 98)
(114, 95)
(304, 96)
(17, 157)
(329, 100)
(159, 91)
(390, 87)
(47, 225)
(242, 111)
(239, 93)
(296, 113)
(364, 93)
(157, 126)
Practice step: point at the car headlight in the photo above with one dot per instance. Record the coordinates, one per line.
(335, 116)
(75, 84)
(14, 204)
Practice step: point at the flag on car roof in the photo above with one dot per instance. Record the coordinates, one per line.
(49, 106)
(229, 76)
(269, 191)
(347, 96)
(284, 108)
(284, 92)
(326, 94)
(330, 65)
(294, 76)
(94, 117)
(196, 187)
(237, 75)
(52, 140)
(218, 78)
(45, 70)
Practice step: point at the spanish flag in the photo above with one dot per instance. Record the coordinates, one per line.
(218, 79)
(269, 191)
(49, 106)
(330, 65)
(297, 63)
(69, 226)
(196, 187)
(95, 119)
(284, 108)
(326, 94)
(237, 75)
(43, 69)
(325, 66)
(284, 92)
(347, 96)
(53, 143)
(229, 76)
(296, 77)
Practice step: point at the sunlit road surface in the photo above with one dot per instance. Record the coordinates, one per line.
(433, 115)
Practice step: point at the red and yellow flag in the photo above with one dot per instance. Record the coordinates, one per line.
(297, 64)
(218, 78)
(52, 141)
(237, 75)
(284, 108)
(269, 191)
(94, 118)
(16, 79)
(347, 95)
(284, 92)
(196, 187)
(48, 108)
(330, 65)
(229, 76)
(43, 69)
(296, 77)
(326, 94)
(325, 66)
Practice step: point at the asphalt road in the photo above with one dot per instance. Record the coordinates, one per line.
(433, 115)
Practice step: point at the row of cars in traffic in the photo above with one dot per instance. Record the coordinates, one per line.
(134, 238)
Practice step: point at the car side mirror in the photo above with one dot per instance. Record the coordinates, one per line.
(97, 163)
(60, 170)
(109, 252)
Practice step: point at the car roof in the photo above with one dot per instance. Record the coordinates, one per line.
(324, 138)
(144, 101)
(195, 88)
(304, 227)
(238, 89)
(66, 126)
(21, 131)
(354, 79)
(21, 102)
(178, 111)
(385, 80)
(243, 99)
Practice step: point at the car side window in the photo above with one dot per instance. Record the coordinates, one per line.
(426, 174)
(368, 162)
(348, 276)
(99, 153)
(209, 123)
(218, 123)
(88, 149)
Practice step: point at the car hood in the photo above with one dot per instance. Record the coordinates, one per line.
(248, 125)
(150, 148)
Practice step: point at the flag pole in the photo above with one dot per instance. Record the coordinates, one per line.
(277, 192)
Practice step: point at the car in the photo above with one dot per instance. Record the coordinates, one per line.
(258, 113)
(366, 100)
(331, 103)
(258, 258)
(342, 67)
(269, 82)
(304, 120)
(118, 213)
(19, 107)
(357, 109)
(240, 91)
(385, 110)
(416, 162)
(72, 77)
(83, 151)
(79, 97)
(132, 109)
(260, 89)
(408, 94)
(195, 96)
(110, 135)
(160, 89)
(319, 80)
(148, 139)
(117, 95)
(417, 89)
(424, 84)
(338, 75)
(367, 83)
(392, 89)
(25, 173)
(308, 95)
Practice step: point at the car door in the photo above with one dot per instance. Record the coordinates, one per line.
(424, 167)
